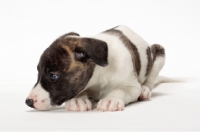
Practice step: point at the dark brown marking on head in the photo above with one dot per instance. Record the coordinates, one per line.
(157, 50)
(73, 73)
(72, 33)
(96, 49)
(149, 61)
(130, 46)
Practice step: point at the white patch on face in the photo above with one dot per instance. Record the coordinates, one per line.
(40, 98)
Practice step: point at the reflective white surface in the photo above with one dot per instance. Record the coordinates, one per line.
(173, 106)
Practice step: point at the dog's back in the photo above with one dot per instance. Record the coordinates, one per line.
(123, 38)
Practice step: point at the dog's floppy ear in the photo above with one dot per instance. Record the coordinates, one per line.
(95, 49)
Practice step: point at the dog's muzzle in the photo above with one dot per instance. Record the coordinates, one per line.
(39, 99)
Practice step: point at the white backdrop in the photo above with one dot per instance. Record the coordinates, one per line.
(28, 27)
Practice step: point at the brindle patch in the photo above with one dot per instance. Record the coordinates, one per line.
(150, 61)
(73, 63)
(157, 50)
(130, 46)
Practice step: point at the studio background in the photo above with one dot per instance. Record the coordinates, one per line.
(28, 27)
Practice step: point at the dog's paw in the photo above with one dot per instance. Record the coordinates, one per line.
(146, 93)
(77, 104)
(110, 104)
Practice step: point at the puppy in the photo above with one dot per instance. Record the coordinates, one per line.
(115, 67)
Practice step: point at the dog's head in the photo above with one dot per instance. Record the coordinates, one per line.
(65, 68)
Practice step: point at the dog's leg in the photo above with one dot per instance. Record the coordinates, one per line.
(79, 103)
(146, 93)
(119, 97)
(158, 63)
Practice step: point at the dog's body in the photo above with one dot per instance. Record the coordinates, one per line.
(115, 67)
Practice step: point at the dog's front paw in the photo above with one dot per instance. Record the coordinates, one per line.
(77, 104)
(146, 93)
(110, 104)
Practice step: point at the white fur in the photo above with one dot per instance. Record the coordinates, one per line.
(157, 66)
(146, 93)
(78, 104)
(40, 97)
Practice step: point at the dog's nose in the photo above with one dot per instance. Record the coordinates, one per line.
(30, 102)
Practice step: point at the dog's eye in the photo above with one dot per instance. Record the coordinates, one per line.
(53, 77)
(81, 56)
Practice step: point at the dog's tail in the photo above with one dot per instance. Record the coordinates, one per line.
(162, 79)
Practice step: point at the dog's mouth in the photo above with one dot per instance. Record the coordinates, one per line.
(62, 99)
(59, 102)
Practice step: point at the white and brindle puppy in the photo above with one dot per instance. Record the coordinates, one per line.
(115, 67)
